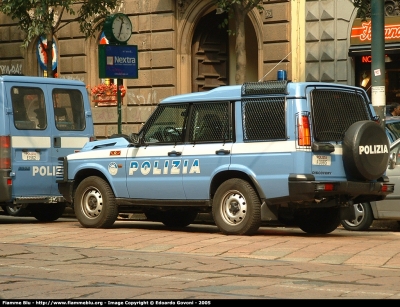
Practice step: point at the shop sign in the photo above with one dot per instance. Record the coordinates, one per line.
(118, 61)
(361, 32)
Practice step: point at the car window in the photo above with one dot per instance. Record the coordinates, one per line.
(210, 123)
(69, 111)
(390, 136)
(394, 128)
(395, 150)
(166, 125)
(28, 108)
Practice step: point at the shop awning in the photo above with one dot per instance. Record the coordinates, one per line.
(359, 50)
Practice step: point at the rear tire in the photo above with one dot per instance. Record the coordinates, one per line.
(363, 220)
(16, 210)
(318, 220)
(236, 208)
(94, 203)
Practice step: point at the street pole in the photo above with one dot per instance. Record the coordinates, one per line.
(119, 103)
(378, 59)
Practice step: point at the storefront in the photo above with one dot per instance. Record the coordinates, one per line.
(360, 50)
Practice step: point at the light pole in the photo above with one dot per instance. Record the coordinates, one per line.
(378, 59)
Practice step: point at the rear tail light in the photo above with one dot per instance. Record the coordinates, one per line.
(387, 188)
(5, 152)
(325, 187)
(304, 131)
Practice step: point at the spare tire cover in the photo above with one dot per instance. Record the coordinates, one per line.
(365, 151)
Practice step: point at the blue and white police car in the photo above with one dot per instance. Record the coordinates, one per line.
(265, 151)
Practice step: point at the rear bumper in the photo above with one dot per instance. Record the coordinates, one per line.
(303, 190)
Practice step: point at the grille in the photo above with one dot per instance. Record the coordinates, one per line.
(268, 87)
(60, 172)
(264, 119)
(335, 111)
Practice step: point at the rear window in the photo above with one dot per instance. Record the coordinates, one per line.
(69, 111)
(334, 111)
(29, 108)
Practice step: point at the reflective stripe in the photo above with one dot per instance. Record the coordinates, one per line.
(263, 147)
(100, 154)
(73, 142)
(45, 142)
(30, 141)
(272, 147)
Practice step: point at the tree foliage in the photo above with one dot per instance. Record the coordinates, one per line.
(363, 6)
(237, 10)
(45, 18)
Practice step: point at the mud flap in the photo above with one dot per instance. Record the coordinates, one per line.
(267, 214)
(347, 213)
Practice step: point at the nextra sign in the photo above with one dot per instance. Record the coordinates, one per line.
(361, 32)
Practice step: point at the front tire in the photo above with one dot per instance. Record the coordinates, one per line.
(94, 203)
(318, 220)
(363, 220)
(236, 208)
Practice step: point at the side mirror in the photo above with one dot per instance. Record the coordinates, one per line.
(392, 161)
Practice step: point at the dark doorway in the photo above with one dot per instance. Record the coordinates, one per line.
(210, 60)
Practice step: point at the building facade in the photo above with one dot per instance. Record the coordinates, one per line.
(181, 49)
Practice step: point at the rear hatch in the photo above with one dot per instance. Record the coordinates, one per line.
(347, 142)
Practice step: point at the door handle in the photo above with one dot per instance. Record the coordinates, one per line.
(222, 152)
(174, 153)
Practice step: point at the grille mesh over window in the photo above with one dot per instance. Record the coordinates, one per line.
(333, 112)
(264, 119)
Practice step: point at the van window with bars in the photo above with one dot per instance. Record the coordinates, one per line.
(264, 119)
(210, 123)
(69, 111)
(166, 124)
(28, 108)
(335, 111)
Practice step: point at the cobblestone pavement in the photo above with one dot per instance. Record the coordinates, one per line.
(144, 260)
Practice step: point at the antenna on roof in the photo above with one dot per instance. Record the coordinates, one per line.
(274, 66)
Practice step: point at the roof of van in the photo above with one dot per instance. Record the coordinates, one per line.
(31, 79)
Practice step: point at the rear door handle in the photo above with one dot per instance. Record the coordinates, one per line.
(174, 153)
(223, 152)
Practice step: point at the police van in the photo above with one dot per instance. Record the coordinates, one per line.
(266, 151)
(42, 119)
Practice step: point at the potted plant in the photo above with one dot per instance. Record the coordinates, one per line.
(106, 94)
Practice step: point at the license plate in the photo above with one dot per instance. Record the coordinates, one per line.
(30, 156)
(321, 160)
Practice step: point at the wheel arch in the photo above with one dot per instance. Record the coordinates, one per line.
(228, 174)
(88, 172)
